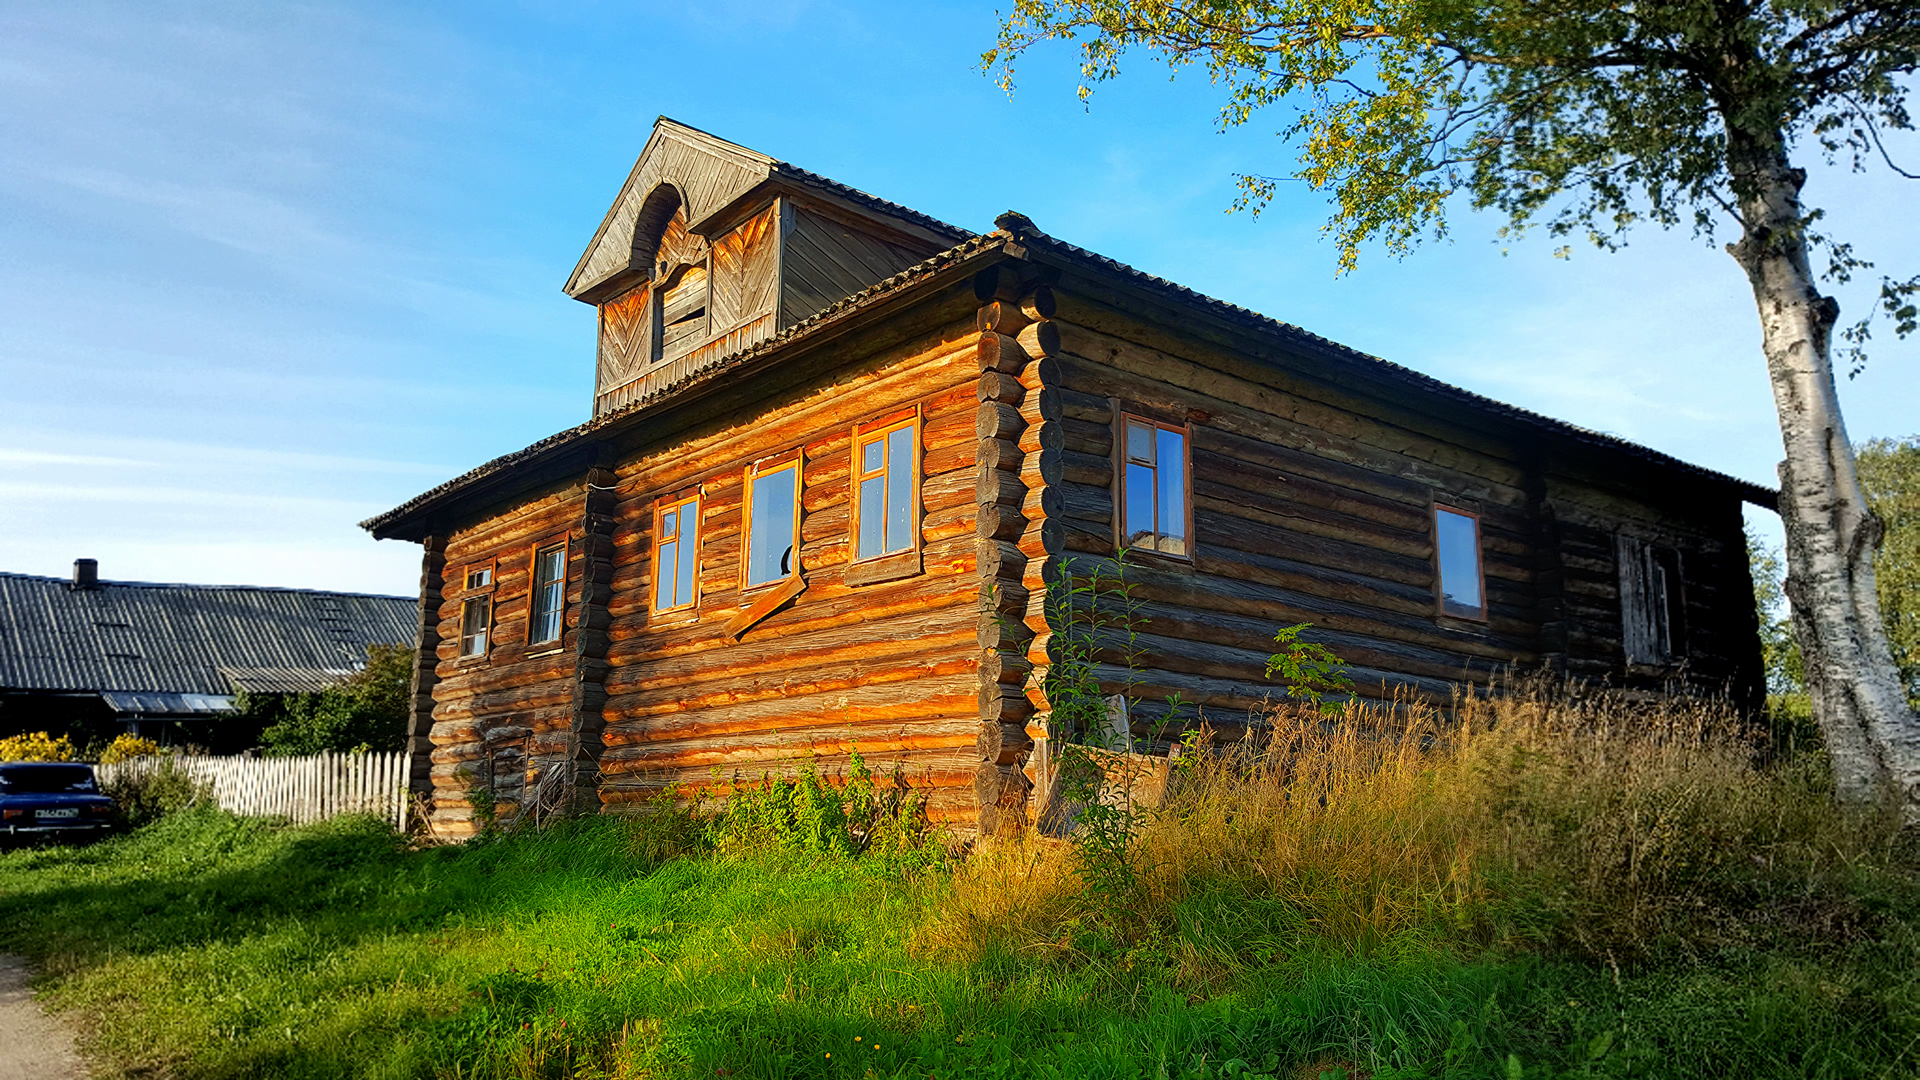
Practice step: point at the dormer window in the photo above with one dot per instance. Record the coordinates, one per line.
(683, 311)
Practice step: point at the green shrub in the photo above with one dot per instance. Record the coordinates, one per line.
(150, 792)
(807, 814)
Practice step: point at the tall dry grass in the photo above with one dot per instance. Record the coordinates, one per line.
(1531, 819)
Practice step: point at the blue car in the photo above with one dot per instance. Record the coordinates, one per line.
(51, 799)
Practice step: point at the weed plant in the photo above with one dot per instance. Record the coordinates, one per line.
(1532, 886)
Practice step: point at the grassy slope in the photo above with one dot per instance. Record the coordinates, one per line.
(205, 946)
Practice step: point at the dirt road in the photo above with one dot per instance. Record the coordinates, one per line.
(33, 1045)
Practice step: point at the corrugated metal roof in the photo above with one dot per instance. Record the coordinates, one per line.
(175, 639)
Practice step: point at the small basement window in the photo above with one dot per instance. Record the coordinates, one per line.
(547, 616)
(1652, 602)
(773, 523)
(1154, 512)
(676, 554)
(1456, 556)
(885, 474)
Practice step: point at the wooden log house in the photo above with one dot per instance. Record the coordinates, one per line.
(838, 447)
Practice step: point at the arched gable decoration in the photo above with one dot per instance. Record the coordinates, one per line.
(703, 173)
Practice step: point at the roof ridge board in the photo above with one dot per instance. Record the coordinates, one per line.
(1429, 382)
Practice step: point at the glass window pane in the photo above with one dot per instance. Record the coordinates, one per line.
(1139, 509)
(1172, 451)
(873, 516)
(665, 566)
(687, 574)
(473, 626)
(870, 456)
(549, 595)
(1457, 540)
(669, 524)
(1139, 442)
(900, 489)
(770, 548)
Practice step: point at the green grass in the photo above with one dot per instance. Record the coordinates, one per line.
(209, 946)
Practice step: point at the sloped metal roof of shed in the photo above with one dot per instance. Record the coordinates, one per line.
(135, 637)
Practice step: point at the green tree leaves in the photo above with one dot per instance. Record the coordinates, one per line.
(366, 711)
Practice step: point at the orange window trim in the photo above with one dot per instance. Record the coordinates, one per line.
(564, 541)
(877, 431)
(1479, 563)
(666, 505)
(753, 472)
(1123, 527)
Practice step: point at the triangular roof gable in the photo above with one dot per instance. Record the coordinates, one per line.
(708, 172)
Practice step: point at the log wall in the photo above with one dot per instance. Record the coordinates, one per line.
(889, 666)
(500, 716)
(1312, 502)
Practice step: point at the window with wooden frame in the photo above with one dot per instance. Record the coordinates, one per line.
(1155, 512)
(1460, 580)
(886, 485)
(771, 552)
(476, 610)
(547, 606)
(676, 553)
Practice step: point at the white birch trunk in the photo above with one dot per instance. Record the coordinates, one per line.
(1858, 700)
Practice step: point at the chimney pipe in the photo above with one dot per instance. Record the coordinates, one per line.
(86, 573)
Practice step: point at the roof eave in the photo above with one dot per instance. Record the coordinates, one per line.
(412, 520)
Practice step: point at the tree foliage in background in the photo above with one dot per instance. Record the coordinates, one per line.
(1587, 118)
(1890, 471)
(365, 711)
(1779, 653)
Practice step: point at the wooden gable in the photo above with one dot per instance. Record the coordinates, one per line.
(712, 248)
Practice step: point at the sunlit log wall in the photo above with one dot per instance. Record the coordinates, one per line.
(498, 717)
(888, 667)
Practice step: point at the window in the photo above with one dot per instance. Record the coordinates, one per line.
(676, 554)
(773, 523)
(476, 611)
(885, 475)
(547, 614)
(1456, 556)
(476, 618)
(1653, 606)
(1153, 482)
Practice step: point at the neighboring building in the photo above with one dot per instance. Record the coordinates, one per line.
(95, 657)
(837, 448)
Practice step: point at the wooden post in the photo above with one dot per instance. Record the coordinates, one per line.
(587, 727)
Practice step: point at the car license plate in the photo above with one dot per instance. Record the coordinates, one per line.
(63, 812)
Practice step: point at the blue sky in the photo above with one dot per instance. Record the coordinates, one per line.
(266, 270)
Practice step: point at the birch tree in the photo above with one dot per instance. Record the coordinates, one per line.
(1585, 119)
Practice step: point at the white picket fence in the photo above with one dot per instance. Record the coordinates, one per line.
(303, 789)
